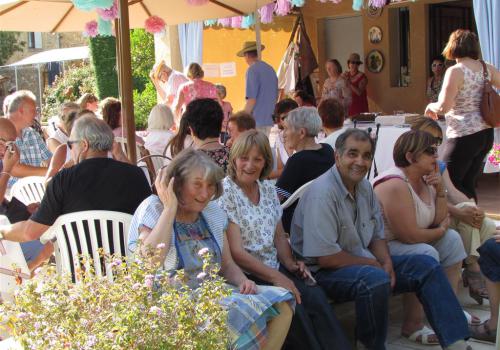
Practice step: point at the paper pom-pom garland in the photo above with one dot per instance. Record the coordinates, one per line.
(224, 22)
(236, 21)
(105, 27)
(210, 22)
(109, 14)
(154, 24)
(91, 29)
(283, 7)
(197, 2)
(89, 5)
(298, 3)
(377, 3)
(266, 13)
(248, 21)
(357, 5)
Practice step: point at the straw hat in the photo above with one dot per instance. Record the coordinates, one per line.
(354, 57)
(249, 46)
(158, 68)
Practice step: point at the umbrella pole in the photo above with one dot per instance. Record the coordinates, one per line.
(125, 81)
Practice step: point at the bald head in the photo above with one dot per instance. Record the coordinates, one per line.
(7, 130)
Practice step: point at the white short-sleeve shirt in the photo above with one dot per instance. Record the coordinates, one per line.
(257, 222)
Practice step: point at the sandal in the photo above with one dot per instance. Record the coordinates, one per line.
(483, 332)
(422, 336)
(477, 288)
(472, 320)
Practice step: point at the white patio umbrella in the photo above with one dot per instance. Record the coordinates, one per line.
(63, 16)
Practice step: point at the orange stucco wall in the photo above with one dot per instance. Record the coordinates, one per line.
(220, 45)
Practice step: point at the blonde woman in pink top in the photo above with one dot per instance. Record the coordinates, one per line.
(195, 88)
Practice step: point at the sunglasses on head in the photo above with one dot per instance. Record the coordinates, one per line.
(431, 151)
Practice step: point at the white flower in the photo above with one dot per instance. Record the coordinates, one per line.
(160, 245)
(136, 286)
(203, 251)
(156, 310)
(201, 275)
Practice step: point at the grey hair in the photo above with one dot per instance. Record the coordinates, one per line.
(221, 89)
(357, 134)
(307, 118)
(160, 118)
(18, 98)
(190, 160)
(95, 131)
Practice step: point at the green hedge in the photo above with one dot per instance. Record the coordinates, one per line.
(103, 53)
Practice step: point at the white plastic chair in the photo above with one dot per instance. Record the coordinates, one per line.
(12, 265)
(29, 189)
(295, 195)
(84, 234)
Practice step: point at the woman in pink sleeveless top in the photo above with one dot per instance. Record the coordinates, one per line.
(358, 84)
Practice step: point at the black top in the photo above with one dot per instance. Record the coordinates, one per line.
(93, 184)
(301, 168)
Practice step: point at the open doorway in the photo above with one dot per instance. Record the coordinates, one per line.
(444, 18)
(343, 36)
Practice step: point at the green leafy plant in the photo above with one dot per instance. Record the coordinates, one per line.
(144, 101)
(142, 308)
(8, 45)
(76, 81)
(103, 53)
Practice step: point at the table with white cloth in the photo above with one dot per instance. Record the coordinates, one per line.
(387, 136)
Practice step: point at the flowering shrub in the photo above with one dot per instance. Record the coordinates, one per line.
(494, 156)
(143, 308)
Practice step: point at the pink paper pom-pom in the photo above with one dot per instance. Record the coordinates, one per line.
(236, 21)
(154, 24)
(266, 13)
(224, 22)
(197, 2)
(91, 29)
(109, 14)
(283, 7)
(377, 3)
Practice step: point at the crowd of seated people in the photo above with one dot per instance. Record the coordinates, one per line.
(343, 240)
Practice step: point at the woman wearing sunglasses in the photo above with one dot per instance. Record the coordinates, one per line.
(358, 83)
(413, 199)
(435, 81)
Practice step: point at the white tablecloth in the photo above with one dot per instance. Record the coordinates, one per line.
(387, 137)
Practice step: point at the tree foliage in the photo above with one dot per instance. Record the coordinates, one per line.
(103, 53)
(8, 45)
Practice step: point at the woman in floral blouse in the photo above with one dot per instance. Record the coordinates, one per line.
(260, 246)
(336, 86)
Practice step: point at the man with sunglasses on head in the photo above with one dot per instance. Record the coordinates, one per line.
(95, 182)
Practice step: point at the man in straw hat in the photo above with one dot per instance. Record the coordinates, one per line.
(166, 81)
(261, 90)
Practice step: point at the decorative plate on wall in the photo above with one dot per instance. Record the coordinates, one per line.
(375, 35)
(374, 61)
(374, 12)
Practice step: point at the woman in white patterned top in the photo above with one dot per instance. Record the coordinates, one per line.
(260, 246)
(469, 137)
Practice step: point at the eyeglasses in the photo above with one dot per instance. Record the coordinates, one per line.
(355, 62)
(437, 65)
(70, 143)
(431, 151)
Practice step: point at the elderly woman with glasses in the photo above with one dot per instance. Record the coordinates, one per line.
(358, 83)
(185, 219)
(310, 160)
(260, 246)
(417, 222)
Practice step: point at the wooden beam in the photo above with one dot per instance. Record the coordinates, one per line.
(145, 9)
(62, 19)
(227, 7)
(13, 7)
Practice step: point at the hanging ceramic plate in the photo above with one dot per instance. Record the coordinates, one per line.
(374, 61)
(375, 35)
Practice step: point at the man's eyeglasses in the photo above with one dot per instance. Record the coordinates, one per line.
(437, 65)
(431, 151)
(70, 143)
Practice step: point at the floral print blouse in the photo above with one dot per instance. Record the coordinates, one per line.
(219, 156)
(465, 116)
(257, 223)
